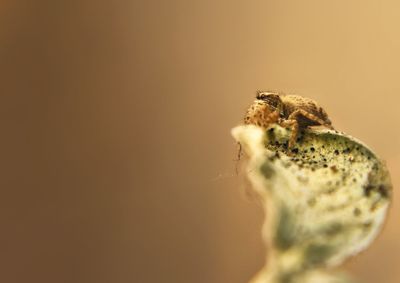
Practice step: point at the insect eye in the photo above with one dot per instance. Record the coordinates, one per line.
(261, 96)
(270, 98)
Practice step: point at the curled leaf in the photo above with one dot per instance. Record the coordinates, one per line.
(326, 199)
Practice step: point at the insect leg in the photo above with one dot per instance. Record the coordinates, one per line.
(309, 116)
(294, 125)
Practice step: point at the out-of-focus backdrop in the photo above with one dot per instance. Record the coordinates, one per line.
(117, 163)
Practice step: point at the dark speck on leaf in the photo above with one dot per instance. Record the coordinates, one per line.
(367, 225)
(267, 170)
(317, 253)
(367, 190)
(382, 189)
(357, 211)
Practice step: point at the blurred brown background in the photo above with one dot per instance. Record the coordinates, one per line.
(116, 155)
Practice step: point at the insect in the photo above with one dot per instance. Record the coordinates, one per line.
(289, 111)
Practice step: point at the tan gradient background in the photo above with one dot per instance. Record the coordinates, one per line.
(116, 155)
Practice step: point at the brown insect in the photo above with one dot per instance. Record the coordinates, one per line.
(291, 111)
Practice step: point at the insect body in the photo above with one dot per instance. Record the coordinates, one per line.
(291, 111)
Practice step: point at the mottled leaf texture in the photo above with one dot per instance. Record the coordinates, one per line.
(325, 200)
